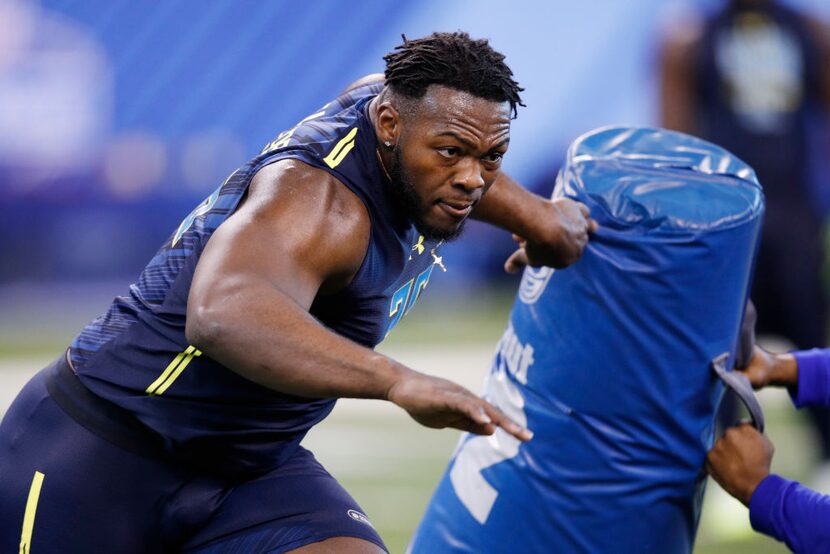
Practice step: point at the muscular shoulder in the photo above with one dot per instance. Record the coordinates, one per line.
(292, 183)
(366, 80)
(326, 223)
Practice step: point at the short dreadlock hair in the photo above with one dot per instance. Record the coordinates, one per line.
(453, 60)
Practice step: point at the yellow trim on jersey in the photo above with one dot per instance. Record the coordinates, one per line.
(172, 371)
(341, 149)
(29, 514)
(419, 246)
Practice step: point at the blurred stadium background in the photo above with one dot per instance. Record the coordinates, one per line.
(117, 117)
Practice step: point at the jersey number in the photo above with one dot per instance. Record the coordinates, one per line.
(404, 297)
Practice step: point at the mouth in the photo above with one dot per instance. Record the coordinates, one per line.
(458, 209)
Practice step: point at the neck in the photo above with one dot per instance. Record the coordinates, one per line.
(382, 164)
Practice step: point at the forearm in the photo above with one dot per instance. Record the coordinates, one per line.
(263, 335)
(791, 513)
(553, 233)
(813, 377)
(512, 207)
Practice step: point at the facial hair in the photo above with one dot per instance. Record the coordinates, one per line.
(403, 190)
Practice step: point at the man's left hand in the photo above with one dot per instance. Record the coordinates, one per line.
(560, 237)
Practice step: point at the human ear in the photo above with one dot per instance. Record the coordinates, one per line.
(388, 125)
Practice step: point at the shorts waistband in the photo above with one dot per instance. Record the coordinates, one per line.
(101, 417)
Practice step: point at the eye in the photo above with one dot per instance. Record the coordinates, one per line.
(449, 151)
(494, 157)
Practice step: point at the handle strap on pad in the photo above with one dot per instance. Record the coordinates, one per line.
(738, 382)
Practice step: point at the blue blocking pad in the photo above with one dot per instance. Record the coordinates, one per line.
(609, 362)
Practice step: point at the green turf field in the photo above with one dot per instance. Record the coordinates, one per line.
(389, 463)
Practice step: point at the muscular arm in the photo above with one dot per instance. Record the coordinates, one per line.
(301, 233)
(298, 232)
(510, 206)
(551, 233)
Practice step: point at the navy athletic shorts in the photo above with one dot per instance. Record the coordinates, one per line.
(78, 474)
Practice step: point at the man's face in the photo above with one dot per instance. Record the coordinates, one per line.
(448, 154)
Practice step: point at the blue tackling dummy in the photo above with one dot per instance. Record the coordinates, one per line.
(609, 361)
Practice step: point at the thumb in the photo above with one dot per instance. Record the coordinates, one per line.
(516, 262)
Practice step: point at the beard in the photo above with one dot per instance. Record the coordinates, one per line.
(407, 199)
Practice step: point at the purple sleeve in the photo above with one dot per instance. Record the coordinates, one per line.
(813, 377)
(791, 513)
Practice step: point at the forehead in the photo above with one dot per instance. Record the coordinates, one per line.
(443, 109)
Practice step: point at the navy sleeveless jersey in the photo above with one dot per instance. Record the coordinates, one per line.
(137, 356)
(757, 74)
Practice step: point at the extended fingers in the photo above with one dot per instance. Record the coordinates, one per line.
(499, 418)
(478, 420)
(483, 418)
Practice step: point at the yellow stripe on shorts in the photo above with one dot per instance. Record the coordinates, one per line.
(29, 515)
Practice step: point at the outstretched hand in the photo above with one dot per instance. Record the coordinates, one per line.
(562, 236)
(439, 403)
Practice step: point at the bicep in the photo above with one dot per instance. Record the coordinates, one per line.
(298, 232)
(289, 235)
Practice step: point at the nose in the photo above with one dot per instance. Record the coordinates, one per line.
(469, 175)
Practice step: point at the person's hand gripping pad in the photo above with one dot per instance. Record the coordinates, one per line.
(738, 382)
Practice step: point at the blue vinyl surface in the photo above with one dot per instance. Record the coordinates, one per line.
(608, 361)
